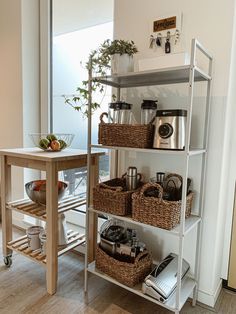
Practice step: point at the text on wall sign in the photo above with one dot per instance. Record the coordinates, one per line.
(164, 24)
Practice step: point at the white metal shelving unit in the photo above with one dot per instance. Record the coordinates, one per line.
(182, 74)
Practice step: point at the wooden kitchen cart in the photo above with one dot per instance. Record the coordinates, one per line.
(51, 163)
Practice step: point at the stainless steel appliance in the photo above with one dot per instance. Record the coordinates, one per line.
(162, 281)
(170, 128)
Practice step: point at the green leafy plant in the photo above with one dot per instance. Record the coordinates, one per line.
(99, 62)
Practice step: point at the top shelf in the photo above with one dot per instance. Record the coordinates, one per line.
(172, 75)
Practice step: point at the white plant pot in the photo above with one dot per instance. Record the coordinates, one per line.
(122, 63)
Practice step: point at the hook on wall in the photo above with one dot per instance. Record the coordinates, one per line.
(159, 38)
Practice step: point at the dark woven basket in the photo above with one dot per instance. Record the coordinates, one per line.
(111, 197)
(158, 212)
(130, 274)
(126, 135)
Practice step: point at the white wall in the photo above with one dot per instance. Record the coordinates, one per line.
(230, 157)
(11, 118)
(212, 23)
(19, 77)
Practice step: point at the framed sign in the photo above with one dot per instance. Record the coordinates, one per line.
(164, 24)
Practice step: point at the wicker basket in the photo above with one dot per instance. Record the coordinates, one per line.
(156, 211)
(111, 197)
(130, 274)
(126, 135)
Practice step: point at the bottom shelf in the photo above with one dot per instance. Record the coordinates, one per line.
(21, 246)
(187, 288)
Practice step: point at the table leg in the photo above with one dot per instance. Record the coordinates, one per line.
(52, 226)
(6, 213)
(94, 177)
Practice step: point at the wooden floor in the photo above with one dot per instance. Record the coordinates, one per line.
(22, 290)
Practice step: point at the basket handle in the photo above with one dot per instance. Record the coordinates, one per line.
(170, 175)
(148, 185)
(141, 256)
(113, 188)
(102, 115)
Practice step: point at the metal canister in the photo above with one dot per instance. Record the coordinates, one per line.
(132, 178)
(160, 176)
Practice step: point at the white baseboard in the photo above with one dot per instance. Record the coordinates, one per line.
(210, 299)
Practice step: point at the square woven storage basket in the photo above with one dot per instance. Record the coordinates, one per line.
(130, 274)
(125, 135)
(110, 197)
(156, 211)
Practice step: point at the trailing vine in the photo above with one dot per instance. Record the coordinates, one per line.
(99, 60)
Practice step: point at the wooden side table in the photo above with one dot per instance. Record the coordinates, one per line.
(51, 163)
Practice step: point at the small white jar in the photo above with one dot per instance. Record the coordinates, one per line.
(33, 237)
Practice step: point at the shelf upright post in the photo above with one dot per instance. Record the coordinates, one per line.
(185, 173)
(203, 174)
(115, 154)
(88, 172)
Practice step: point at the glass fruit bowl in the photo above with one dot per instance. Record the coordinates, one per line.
(53, 142)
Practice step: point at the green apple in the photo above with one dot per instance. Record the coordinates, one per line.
(62, 144)
(51, 137)
(44, 143)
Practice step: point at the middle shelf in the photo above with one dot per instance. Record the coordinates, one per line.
(27, 207)
(191, 152)
(190, 222)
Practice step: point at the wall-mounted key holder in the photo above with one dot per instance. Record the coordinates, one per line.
(165, 32)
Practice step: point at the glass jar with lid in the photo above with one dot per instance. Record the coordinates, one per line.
(114, 112)
(125, 113)
(148, 110)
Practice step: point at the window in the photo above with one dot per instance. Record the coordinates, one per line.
(73, 37)
(70, 53)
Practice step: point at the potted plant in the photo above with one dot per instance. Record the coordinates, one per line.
(116, 55)
(121, 54)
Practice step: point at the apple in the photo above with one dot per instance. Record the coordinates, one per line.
(44, 143)
(62, 144)
(51, 137)
(55, 145)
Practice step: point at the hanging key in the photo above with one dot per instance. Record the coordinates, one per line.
(167, 46)
(158, 40)
(151, 43)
